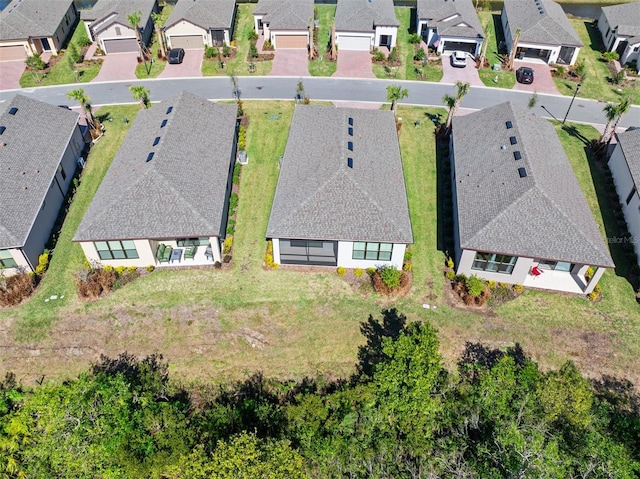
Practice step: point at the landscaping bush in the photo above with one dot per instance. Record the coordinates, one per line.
(210, 52)
(150, 268)
(267, 46)
(236, 174)
(471, 290)
(43, 262)
(341, 270)
(233, 202)
(475, 286)
(390, 276)
(518, 288)
(242, 138)
(415, 39)
(226, 51)
(420, 55)
(34, 62)
(252, 36)
(394, 56)
(253, 51)
(450, 275)
(388, 280)
(377, 56)
(231, 227)
(16, 288)
(73, 53)
(358, 272)
(228, 243)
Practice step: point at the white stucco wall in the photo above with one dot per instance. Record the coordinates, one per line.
(345, 257)
(392, 31)
(20, 260)
(624, 185)
(187, 28)
(603, 26)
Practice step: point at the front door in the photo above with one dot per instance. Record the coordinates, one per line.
(45, 44)
(385, 40)
(622, 46)
(566, 54)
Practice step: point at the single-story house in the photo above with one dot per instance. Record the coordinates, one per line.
(341, 197)
(165, 198)
(366, 24)
(448, 26)
(107, 23)
(546, 34)
(518, 206)
(194, 23)
(620, 29)
(40, 145)
(624, 164)
(284, 23)
(34, 26)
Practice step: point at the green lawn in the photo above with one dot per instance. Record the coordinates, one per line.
(156, 66)
(238, 65)
(307, 322)
(321, 67)
(495, 36)
(62, 73)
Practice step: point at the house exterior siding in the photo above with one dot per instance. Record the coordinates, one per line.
(611, 41)
(185, 28)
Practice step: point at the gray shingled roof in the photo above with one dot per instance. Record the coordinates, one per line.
(208, 14)
(545, 23)
(31, 147)
(365, 15)
(121, 8)
(438, 13)
(285, 14)
(181, 191)
(544, 215)
(629, 141)
(626, 18)
(319, 197)
(22, 19)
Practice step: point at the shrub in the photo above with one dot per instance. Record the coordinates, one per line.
(589, 273)
(252, 36)
(390, 276)
(560, 71)
(580, 68)
(377, 56)
(132, 269)
(226, 51)
(518, 288)
(415, 39)
(408, 266)
(408, 255)
(43, 262)
(267, 45)
(73, 53)
(341, 270)
(236, 174)
(394, 55)
(119, 269)
(450, 275)
(610, 56)
(231, 227)
(242, 138)
(228, 243)
(358, 272)
(150, 268)
(371, 271)
(595, 294)
(420, 55)
(475, 286)
(34, 62)
(210, 52)
(233, 202)
(253, 51)
(268, 260)
(450, 263)
(16, 288)
(217, 265)
(618, 78)
(108, 268)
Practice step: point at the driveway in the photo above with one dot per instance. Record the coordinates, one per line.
(290, 62)
(191, 66)
(542, 80)
(117, 66)
(468, 74)
(10, 73)
(354, 64)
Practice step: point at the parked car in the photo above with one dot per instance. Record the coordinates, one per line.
(524, 75)
(176, 55)
(459, 59)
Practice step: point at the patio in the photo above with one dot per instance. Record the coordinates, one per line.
(557, 280)
(203, 257)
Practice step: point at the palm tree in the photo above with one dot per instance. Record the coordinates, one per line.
(85, 104)
(395, 93)
(614, 114)
(453, 102)
(134, 21)
(157, 23)
(514, 49)
(141, 94)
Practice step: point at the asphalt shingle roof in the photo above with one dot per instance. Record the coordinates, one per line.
(208, 14)
(319, 197)
(365, 15)
(540, 21)
(31, 147)
(629, 141)
(180, 192)
(626, 18)
(285, 14)
(439, 14)
(543, 215)
(121, 8)
(22, 19)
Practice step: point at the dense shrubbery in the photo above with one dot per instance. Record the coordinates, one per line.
(16, 288)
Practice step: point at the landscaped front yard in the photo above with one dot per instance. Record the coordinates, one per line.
(217, 324)
(320, 66)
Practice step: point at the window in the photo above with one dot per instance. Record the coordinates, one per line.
(494, 263)
(555, 265)
(630, 197)
(6, 260)
(62, 173)
(637, 49)
(192, 241)
(305, 243)
(372, 251)
(116, 249)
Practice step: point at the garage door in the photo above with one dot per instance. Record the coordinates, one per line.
(309, 252)
(120, 45)
(291, 41)
(462, 46)
(346, 42)
(16, 52)
(187, 41)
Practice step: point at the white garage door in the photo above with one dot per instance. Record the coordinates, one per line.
(347, 42)
(120, 45)
(187, 41)
(16, 52)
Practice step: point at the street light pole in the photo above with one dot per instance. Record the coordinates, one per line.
(571, 104)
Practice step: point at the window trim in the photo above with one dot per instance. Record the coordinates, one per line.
(502, 266)
(8, 261)
(127, 253)
(371, 251)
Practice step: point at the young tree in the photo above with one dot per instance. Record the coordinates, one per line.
(85, 104)
(514, 49)
(141, 94)
(157, 23)
(334, 48)
(134, 21)
(453, 102)
(483, 49)
(395, 93)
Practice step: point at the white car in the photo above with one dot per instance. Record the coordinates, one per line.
(459, 59)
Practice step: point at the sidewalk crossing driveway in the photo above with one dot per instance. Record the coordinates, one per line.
(191, 66)
(542, 80)
(468, 74)
(290, 62)
(117, 66)
(10, 73)
(354, 64)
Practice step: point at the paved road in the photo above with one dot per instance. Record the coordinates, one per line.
(340, 89)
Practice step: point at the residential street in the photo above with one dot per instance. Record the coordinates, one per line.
(340, 89)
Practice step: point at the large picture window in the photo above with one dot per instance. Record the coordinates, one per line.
(494, 263)
(116, 249)
(372, 251)
(192, 241)
(555, 265)
(6, 260)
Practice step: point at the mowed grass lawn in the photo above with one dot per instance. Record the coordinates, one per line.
(215, 325)
(320, 66)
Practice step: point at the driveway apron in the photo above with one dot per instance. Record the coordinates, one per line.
(290, 62)
(191, 66)
(468, 74)
(542, 80)
(10, 73)
(354, 64)
(117, 66)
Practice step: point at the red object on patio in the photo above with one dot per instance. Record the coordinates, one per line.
(535, 271)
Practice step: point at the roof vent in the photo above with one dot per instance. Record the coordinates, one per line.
(517, 155)
(150, 156)
(522, 172)
(2, 128)
(503, 147)
(513, 140)
(350, 162)
(350, 121)
(169, 110)
(156, 141)
(509, 125)
(13, 110)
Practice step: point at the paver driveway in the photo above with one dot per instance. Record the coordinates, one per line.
(117, 66)
(290, 62)
(191, 66)
(10, 73)
(353, 64)
(542, 80)
(468, 74)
